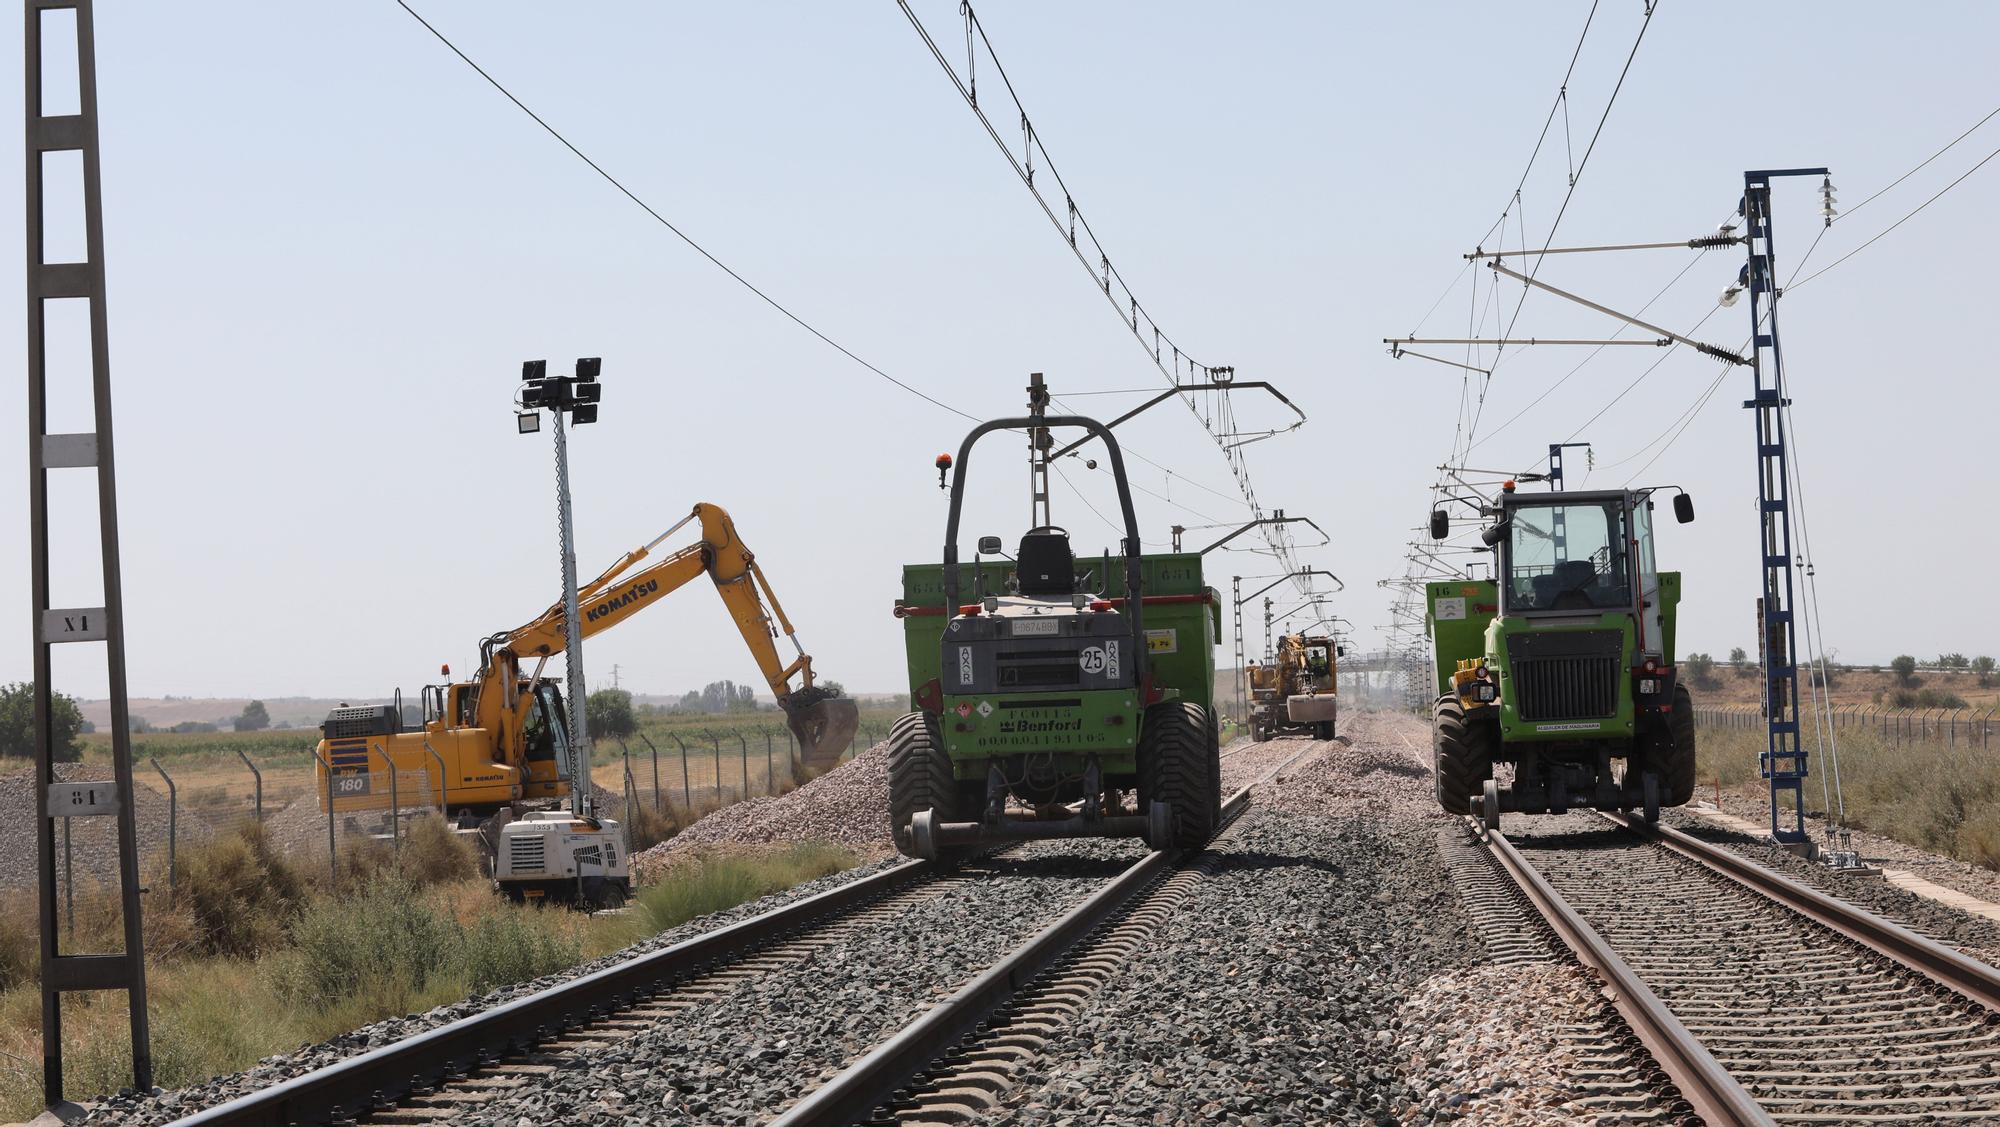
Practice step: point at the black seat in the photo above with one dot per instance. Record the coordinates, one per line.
(1045, 565)
(1572, 577)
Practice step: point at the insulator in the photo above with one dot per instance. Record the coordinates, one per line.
(1711, 242)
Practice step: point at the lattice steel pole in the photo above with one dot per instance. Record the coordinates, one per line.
(76, 281)
(1236, 601)
(1784, 759)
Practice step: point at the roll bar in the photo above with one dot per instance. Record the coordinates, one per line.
(1130, 546)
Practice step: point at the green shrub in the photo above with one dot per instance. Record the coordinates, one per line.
(1925, 698)
(1905, 668)
(384, 943)
(508, 945)
(432, 854)
(241, 893)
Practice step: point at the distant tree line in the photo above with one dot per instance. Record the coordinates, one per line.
(716, 697)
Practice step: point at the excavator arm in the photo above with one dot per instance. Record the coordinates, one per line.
(823, 723)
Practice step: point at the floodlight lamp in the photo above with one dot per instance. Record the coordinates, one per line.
(532, 370)
(588, 392)
(528, 421)
(583, 413)
(587, 367)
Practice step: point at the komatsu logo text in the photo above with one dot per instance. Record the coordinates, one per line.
(638, 591)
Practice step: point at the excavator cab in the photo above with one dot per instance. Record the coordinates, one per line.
(545, 732)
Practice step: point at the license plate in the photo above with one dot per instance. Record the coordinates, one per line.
(1036, 626)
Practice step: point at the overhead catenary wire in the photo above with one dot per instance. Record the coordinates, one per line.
(1215, 412)
(1576, 177)
(1911, 214)
(1795, 282)
(1891, 185)
(668, 224)
(1408, 620)
(739, 278)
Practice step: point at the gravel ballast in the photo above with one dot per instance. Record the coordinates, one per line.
(1974, 935)
(1276, 995)
(847, 806)
(744, 1055)
(1482, 1048)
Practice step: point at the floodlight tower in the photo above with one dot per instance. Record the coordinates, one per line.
(576, 397)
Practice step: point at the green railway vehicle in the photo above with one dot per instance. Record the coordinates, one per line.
(1562, 666)
(1055, 697)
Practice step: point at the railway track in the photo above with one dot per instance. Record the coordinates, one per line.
(444, 1074)
(1763, 1000)
(954, 1061)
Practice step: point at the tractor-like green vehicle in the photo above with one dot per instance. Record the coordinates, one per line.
(1562, 665)
(1055, 697)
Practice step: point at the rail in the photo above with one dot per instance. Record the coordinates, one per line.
(1713, 1093)
(1703, 1082)
(1933, 960)
(877, 1077)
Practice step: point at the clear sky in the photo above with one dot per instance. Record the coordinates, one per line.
(330, 246)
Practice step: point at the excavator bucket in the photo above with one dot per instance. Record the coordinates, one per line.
(825, 728)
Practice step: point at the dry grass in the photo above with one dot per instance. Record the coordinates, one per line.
(1928, 794)
(251, 959)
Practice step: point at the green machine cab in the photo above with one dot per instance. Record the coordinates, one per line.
(1055, 696)
(1562, 665)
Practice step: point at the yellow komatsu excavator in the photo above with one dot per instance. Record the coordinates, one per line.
(503, 738)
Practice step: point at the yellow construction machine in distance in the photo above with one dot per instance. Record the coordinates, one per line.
(502, 738)
(1297, 690)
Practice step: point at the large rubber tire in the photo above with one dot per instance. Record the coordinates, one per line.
(1177, 767)
(919, 777)
(1461, 755)
(1677, 772)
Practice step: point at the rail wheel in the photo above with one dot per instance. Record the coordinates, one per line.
(1461, 755)
(920, 777)
(1175, 768)
(1649, 785)
(1489, 805)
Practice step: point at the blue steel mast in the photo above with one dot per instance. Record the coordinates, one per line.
(1783, 761)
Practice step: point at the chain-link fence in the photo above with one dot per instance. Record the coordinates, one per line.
(1952, 727)
(683, 775)
(676, 778)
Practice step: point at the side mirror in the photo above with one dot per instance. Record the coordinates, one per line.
(989, 545)
(1497, 533)
(1440, 524)
(1340, 651)
(1683, 508)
